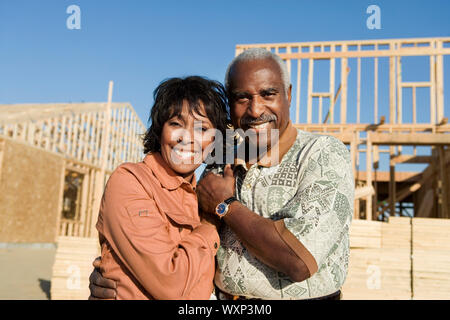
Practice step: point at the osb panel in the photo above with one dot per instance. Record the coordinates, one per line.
(30, 185)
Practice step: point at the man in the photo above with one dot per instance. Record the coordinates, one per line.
(286, 214)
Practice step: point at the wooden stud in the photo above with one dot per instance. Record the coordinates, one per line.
(358, 92)
(375, 91)
(320, 108)
(298, 86)
(69, 137)
(392, 90)
(83, 206)
(443, 174)
(288, 61)
(399, 110)
(369, 213)
(344, 70)
(87, 137)
(310, 90)
(399, 89)
(76, 146)
(62, 137)
(392, 183)
(414, 105)
(440, 84)
(96, 158)
(332, 85)
(2, 151)
(433, 92)
(104, 158)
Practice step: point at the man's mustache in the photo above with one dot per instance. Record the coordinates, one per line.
(248, 121)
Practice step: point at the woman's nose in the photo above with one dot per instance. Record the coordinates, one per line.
(182, 136)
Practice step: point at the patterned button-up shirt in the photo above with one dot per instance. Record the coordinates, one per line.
(312, 190)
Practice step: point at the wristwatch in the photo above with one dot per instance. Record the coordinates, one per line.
(222, 208)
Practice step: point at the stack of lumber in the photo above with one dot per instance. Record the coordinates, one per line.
(383, 258)
(431, 258)
(380, 260)
(72, 267)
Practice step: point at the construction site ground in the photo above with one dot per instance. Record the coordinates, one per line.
(26, 271)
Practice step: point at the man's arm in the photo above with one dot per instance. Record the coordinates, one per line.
(100, 288)
(259, 235)
(315, 227)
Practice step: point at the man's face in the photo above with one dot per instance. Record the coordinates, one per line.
(258, 98)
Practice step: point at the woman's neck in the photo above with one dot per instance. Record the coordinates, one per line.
(188, 177)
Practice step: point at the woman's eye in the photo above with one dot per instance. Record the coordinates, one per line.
(203, 129)
(175, 124)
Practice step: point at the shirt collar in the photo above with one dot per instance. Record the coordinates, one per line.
(168, 178)
(270, 159)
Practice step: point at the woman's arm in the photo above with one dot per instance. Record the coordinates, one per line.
(165, 268)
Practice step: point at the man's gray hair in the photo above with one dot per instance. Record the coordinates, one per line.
(256, 54)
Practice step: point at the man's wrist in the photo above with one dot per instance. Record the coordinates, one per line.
(222, 207)
(233, 207)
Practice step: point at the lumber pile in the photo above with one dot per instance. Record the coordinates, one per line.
(402, 259)
(72, 267)
(431, 258)
(380, 260)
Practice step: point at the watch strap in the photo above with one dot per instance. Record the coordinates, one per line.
(230, 200)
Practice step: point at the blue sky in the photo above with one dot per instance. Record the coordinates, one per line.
(139, 43)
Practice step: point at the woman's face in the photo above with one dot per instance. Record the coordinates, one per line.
(185, 142)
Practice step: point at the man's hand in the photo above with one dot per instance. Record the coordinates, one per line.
(101, 288)
(213, 189)
(210, 219)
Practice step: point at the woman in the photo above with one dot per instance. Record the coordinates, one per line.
(153, 242)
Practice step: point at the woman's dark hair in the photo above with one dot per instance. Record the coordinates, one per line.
(169, 97)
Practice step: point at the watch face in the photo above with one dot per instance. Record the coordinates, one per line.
(221, 208)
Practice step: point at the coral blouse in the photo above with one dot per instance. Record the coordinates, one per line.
(152, 241)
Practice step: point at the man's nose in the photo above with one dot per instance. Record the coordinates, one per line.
(256, 107)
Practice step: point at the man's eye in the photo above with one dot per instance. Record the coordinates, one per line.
(241, 99)
(174, 123)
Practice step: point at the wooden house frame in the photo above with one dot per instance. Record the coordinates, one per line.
(385, 133)
(408, 258)
(91, 138)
